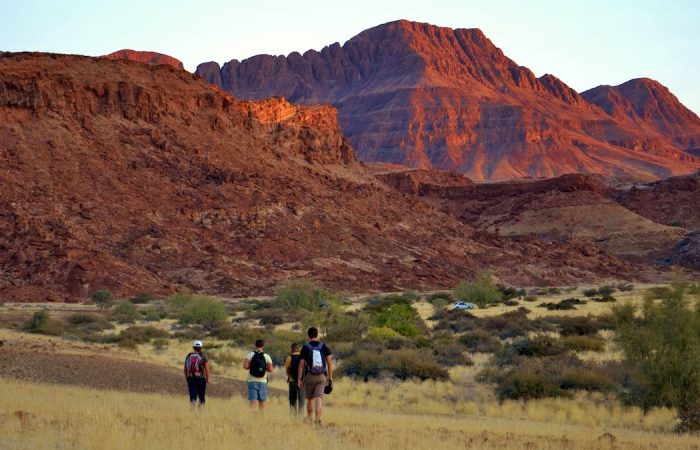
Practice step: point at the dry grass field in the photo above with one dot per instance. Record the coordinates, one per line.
(38, 416)
(379, 414)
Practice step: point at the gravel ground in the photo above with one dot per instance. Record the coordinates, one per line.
(101, 372)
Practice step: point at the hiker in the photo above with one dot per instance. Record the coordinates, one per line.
(315, 373)
(296, 394)
(197, 374)
(258, 364)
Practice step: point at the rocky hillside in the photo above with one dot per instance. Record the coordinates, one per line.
(573, 209)
(144, 178)
(145, 57)
(431, 97)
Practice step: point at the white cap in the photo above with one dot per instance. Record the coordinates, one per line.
(197, 344)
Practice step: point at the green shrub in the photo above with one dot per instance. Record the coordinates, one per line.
(662, 346)
(155, 313)
(297, 295)
(481, 291)
(42, 323)
(606, 291)
(125, 312)
(103, 298)
(401, 318)
(578, 343)
(202, 309)
(382, 334)
(84, 323)
(225, 358)
(160, 344)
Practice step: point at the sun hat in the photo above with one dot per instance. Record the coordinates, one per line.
(197, 344)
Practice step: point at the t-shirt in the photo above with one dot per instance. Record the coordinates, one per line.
(306, 353)
(291, 377)
(262, 379)
(205, 359)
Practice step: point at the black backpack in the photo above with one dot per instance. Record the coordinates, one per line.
(294, 368)
(258, 365)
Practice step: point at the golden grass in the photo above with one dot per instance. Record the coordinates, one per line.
(41, 416)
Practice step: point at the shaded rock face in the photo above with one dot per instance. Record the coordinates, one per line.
(673, 201)
(143, 178)
(574, 209)
(436, 98)
(145, 57)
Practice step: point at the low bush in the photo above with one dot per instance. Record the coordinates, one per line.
(297, 295)
(142, 334)
(88, 322)
(586, 379)
(480, 341)
(606, 299)
(42, 323)
(576, 325)
(141, 298)
(226, 358)
(539, 346)
(590, 292)
(583, 343)
(563, 305)
(441, 297)
(401, 364)
(625, 287)
(202, 309)
(511, 303)
(125, 312)
(530, 298)
(155, 313)
(402, 318)
(527, 383)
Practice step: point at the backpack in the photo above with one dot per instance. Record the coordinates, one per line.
(194, 363)
(258, 365)
(316, 363)
(294, 367)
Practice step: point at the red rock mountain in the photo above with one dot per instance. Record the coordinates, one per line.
(144, 178)
(650, 106)
(145, 57)
(431, 97)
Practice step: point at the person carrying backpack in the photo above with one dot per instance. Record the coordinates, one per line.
(258, 364)
(315, 373)
(296, 394)
(196, 370)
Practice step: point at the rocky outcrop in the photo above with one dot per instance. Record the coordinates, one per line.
(673, 201)
(436, 98)
(145, 57)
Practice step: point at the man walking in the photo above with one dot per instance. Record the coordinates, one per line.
(258, 364)
(197, 374)
(315, 371)
(296, 394)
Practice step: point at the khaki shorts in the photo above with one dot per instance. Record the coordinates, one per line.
(313, 385)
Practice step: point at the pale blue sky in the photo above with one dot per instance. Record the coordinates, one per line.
(585, 43)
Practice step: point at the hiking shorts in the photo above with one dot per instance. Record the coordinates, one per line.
(257, 391)
(313, 385)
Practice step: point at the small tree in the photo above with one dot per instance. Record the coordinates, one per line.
(481, 291)
(662, 345)
(102, 298)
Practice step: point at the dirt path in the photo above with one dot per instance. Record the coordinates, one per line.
(100, 372)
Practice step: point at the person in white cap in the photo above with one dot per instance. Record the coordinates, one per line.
(197, 374)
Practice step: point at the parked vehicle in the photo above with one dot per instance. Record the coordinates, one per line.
(463, 305)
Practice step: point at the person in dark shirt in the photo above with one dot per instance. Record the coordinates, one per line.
(197, 374)
(315, 372)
